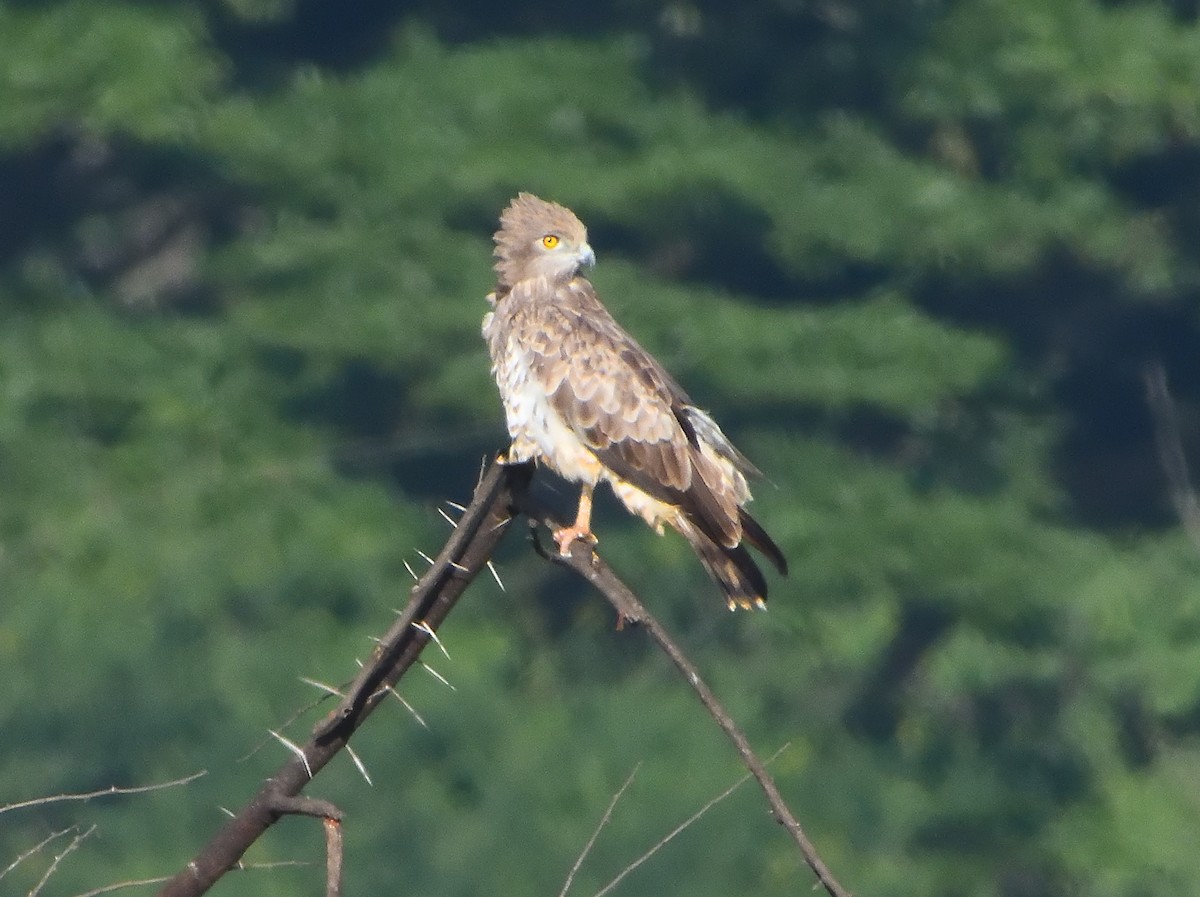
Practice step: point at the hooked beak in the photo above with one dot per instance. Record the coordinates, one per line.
(586, 256)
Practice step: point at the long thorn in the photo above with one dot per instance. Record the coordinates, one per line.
(411, 572)
(328, 689)
(438, 676)
(587, 848)
(425, 557)
(496, 576)
(450, 520)
(295, 749)
(357, 762)
(428, 630)
(409, 707)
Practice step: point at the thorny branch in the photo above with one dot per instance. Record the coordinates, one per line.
(500, 495)
(434, 595)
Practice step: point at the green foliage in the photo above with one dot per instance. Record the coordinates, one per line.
(913, 256)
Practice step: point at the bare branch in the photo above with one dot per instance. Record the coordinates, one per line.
(501, 489)
(53, 836)
(103, 792)
(158, 880)
(333, 858)
(584, 561)
(121, 885)
(75, 842)
(671, 835)
(298, 805)
(587, 848)
(332, 818)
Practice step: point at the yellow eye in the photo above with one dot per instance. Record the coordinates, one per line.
(549, 241)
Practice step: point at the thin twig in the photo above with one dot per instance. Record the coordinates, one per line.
(587, 848)
(671, 835)
(75, 842)
(1169, 442)
(296, 714)
(103, 792)
(158, 880)
(121, 885)
(53, 836)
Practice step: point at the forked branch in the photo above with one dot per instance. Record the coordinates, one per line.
(584, 561)
(501, 493)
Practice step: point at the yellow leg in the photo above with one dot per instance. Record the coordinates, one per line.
(582, 528)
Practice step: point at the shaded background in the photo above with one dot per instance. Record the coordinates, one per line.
(914, 255)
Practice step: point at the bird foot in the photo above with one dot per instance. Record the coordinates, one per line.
(568, 534)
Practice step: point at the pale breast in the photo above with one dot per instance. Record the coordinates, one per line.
(537, 430)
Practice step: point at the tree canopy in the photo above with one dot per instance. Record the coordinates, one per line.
(917, 258)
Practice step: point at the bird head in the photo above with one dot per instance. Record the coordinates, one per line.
(540, 239)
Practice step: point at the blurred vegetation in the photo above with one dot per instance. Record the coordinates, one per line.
(914, 255)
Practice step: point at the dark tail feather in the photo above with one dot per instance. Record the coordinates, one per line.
(753, 533)
(733, 569)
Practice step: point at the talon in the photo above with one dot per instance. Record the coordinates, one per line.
(566, 536)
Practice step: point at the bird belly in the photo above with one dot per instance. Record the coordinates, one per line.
(644, 505)
(537, 430)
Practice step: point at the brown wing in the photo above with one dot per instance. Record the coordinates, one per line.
(620, 402)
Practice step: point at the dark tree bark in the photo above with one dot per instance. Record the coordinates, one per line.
(468, 550)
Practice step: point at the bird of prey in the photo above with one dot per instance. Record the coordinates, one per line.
(582, 397)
